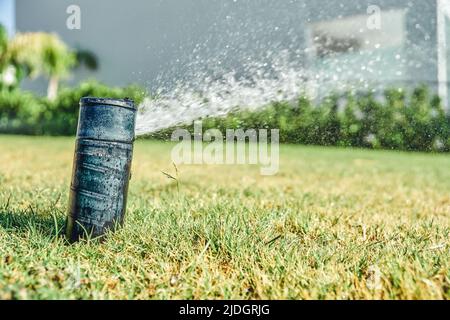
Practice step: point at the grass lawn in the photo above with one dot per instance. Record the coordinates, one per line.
(333, 224)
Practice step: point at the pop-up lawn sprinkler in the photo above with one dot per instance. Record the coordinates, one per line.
(102, 167)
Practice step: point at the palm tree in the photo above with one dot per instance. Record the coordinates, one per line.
(39, 53)
(86, 58)
(57, 62)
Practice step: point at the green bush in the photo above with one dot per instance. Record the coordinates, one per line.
(24, 113)
(19, 112)
(416, 122)
(398, 120)
(61, 115)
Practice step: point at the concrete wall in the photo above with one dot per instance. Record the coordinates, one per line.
(153, 42)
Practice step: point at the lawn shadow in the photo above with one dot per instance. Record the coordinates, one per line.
(29, 221)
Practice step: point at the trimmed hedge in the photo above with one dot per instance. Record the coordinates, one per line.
(395, 120)
(24, 113)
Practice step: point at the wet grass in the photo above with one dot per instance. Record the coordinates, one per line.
(333, 224)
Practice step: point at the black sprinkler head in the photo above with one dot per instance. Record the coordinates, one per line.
(102, 167)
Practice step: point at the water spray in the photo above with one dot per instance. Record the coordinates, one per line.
(102, 167)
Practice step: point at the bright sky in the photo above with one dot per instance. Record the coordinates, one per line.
(7, 14)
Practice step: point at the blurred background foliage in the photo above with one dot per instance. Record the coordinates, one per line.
(397, 119)
(25, 113)
(34, 54)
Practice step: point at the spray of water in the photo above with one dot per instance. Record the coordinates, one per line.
(248, 55)
(203, 95)
(258, 83)
(256, 52)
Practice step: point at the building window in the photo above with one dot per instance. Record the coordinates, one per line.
(345, 54)
(351, 34)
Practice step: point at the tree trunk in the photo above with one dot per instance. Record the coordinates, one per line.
(52, 90)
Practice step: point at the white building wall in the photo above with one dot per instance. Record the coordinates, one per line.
(149, 42)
